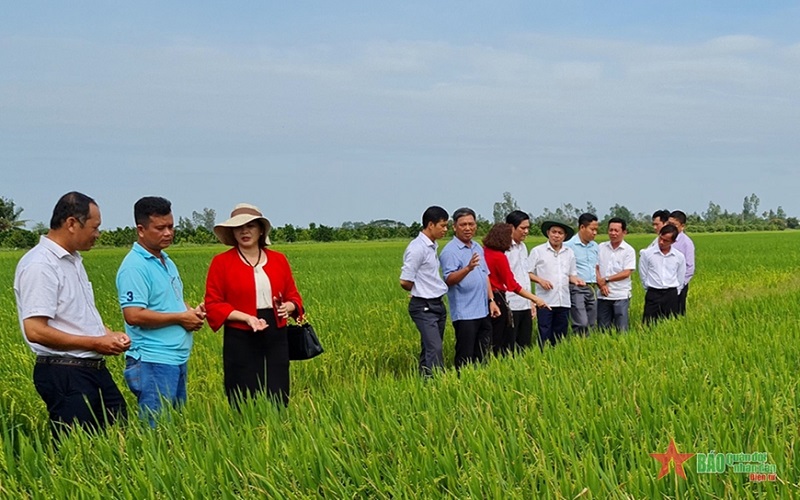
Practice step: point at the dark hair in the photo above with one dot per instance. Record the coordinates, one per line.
(618, 220)
(517, 217)
(434, 214)
(586, 219)
(150, 205)
(679, 216)
(661, 214)
(499, 237)
(461, 212)
(670, 229)
(72, 204)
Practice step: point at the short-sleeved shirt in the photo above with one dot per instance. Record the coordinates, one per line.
(144, 281)
(611, 261)
(518, 261)
(555, 267)
(468, 299)
(52, 283)
(585, 258)
(421, 266)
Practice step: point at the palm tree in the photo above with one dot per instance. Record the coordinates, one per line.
(9, 215)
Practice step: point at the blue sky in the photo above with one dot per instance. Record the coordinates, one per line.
(349, 111)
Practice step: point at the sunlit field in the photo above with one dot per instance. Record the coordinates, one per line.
(580, 420)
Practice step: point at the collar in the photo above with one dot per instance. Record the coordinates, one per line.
(56, 249)
(139, 249)
(461, 244)
(549, 247)
(429, 242)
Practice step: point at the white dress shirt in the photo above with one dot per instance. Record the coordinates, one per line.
(660, 271)
(518, 260)
(555, 267)
(611, 261)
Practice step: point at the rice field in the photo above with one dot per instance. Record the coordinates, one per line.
(577, 421)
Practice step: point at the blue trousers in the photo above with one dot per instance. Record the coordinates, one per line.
(153, 383)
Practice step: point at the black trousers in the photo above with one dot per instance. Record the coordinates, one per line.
(660, 303)
(76, 394)
(682, 300)
(255, 361)
(522, 329)
(553, 325)
(473, 340)
(502, 333)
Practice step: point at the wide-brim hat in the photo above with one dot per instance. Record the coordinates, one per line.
(546, 225)
(241, 215)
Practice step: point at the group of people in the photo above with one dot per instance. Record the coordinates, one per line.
(250, 294)
(576, 280)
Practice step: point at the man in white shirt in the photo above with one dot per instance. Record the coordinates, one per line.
(420, 276)
(662, 270)
(61, 324)
(552, 267)
(522, 311)
(616, 260)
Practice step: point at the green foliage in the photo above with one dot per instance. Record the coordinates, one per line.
(9, 215)
(579, 420)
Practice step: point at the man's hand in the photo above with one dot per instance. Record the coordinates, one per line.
(191, 320)
(112, 343)
(545, 284)
(494, 310)
(474, 261)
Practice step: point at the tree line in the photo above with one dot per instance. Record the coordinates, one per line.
(198, 229)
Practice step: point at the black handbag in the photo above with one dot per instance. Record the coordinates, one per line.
(303, 342)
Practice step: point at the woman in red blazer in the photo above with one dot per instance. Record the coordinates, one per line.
(496, 242)
(251, 292)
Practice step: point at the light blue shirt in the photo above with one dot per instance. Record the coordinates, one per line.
(469, 299)
(143, 281)
(585, 258)
(421, 266)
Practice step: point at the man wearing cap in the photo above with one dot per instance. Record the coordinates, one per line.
(552, 268)
(61, 324)
(616, 260)
(583, 310)
(662, 270)
(684, 245)
(522, 311)
(469, 293)
(157, 319)
(420, 276)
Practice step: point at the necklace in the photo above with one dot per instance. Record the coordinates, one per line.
(246, 260)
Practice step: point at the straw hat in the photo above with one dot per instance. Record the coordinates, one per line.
(241, 215)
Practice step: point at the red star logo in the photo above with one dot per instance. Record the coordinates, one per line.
(672, 455)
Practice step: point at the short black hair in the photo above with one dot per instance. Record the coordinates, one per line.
(150, 205)
(434, 214)
(678, 216)
(663, 215)
(586, 219)
(516, 218)
(618, 220)
(670, 229)
(461, 212)
(72, 204)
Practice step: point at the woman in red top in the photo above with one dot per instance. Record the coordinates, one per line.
(496, 242)
(251, 292)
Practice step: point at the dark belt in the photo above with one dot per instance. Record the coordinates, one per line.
(97, 364)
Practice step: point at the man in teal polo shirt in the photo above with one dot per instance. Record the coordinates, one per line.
(158, 321)
(583, 298)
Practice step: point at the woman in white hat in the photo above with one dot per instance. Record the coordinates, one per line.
(251, 292)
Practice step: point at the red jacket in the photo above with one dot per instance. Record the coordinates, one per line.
(500, 275)
(231, 285)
